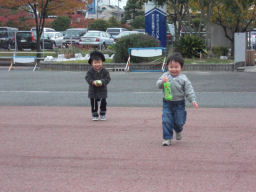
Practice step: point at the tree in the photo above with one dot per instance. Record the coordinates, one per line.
(61, 23)
(234, 16)
(206, 9)
(99, 24)
(16, 18)
(138, 22)
(113, 22)
(133, 8)
(41, 8)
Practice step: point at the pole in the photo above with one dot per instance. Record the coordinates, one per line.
(15, 41)
(43, 44)
(97, 8)
(118, 16)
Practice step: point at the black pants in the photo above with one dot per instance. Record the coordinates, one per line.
(94, 106)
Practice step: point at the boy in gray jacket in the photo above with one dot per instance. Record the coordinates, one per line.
(174, 113)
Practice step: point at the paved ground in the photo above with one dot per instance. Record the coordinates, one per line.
(60, 149)
(48, 142)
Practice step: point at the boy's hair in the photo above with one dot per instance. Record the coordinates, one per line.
(177, 57)
(96, 55)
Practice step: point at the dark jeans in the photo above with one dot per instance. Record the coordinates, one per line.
(94, 106)
(173, 117)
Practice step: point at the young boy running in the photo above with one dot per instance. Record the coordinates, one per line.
(174, 113)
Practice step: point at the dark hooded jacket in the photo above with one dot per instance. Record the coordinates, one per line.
(97, 92)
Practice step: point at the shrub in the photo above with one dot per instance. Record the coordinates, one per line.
(113, 22)
(191, 46)
(131, 41)
(61, 23)
(220, 51)
(138, 22)
(99, 24)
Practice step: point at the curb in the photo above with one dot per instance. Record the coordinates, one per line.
(46, 66)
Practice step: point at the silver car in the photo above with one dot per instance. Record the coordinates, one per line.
(56, 37)
(114, 31)
(125, 33)
(100, 39)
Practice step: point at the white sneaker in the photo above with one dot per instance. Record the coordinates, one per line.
(95, 118)
(178, 136)
(166, 142)
(103, 118)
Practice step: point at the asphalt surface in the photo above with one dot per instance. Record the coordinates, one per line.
(48, 141)
(27, 88)
(59, 149)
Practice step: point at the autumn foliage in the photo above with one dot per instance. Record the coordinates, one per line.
(16, 18)
(40, 9)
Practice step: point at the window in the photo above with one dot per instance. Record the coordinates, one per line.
(3, 32)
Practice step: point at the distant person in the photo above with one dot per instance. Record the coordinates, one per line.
(98, 78)
(176, 87)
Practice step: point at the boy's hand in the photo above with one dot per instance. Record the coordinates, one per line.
(94, 83)
(195, 105)
(97, 84)
(165, 79)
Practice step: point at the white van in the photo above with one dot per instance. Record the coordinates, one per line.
(45, 29)
(114, 31)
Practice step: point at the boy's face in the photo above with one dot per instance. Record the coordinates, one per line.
(174, 68)
(97, 64)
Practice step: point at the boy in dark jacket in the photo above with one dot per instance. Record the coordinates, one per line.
(97, 78)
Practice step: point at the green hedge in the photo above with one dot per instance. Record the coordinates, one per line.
(220, 51)
(190, 46)
(131, 41)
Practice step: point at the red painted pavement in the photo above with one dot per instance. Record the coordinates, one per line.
(51, 149)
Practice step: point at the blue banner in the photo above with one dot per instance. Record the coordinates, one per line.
(92, 7)
(155, 25)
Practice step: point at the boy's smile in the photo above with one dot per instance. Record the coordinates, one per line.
(174, 68)
(97, 64)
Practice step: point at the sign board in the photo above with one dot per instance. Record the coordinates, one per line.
(147, 52)
(155, 22)
(240, 47)
(92, 7)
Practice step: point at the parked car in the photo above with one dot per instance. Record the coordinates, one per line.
(114, 31)
(27, 40)
(73, 35)
(7, 34)
(140, 30)
(125, 33)
(100, 39)
(56, 37)
(44, 30)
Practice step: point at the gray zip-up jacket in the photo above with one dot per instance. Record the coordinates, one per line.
(181, 87)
